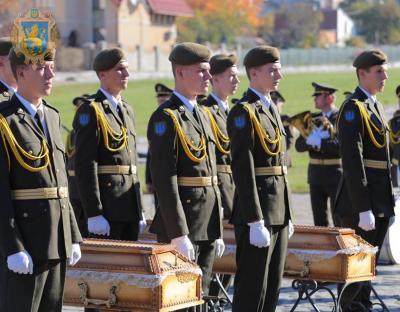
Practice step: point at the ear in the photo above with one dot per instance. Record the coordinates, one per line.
(2, 61)
(179, 72)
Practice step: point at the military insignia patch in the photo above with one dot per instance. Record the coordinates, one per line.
(160, 128)
(84, 119)
(349, 115)
(240, 121)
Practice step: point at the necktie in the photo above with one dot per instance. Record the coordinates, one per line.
(196, 113)
(38, 118)
(119, 111)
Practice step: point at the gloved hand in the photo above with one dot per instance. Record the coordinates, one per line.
(324, 134)
(20, 262)
(290, 229)
(184, 246)
(142, 223)
(219, 247)
(75, 254)
(314, 139)
(367, 221)
(259, 235)
(99, 225)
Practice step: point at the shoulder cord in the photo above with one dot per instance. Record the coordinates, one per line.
(220, 138)
(69, 147)
(19, 152)
(185, 141)
(104, 127)
(262, 135)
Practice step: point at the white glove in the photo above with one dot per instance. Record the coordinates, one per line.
(367, 221)
(314, 139)
(75, 254)
(324, 134)
(142, 223)
(99, 225)
(259, 235)
(20, 262)
(290, 229)
(184, 246)
(219, 247)
(222, 213)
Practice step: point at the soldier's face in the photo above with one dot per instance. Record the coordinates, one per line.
(227, 82)
(196, 77)
(37, 79)
(267, 77)
(6, 71)
(116, 78)
(373, 79)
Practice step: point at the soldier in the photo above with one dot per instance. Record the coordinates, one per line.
(261, 211)
(279, 101)
(37, 223)
(365, 197)
(183, 164)
(394, 125)
(225, 82)
(324, 169)
(8, 85)
(105, 157)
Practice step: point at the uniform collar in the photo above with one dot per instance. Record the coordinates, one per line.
(32, 109)
(10, 90)
(222, 105)
(371, 97)
(113, 100)
(265, 99)
(189, 104)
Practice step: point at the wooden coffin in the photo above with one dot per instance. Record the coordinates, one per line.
(329, 254)
(132, 276)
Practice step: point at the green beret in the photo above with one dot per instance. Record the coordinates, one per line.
(162, 90)
(370, 58)
(220, 62)
(261, 55)
(398, 91)
(188, 53)
(5, 46)
(19, 58)
(322, 89)
(107, 59)
(276, 96)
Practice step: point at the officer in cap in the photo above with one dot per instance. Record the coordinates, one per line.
(365, 196)
(8, 84)
(106, 156)
(394, 135)
(183, 164)
(162, 93)
(347, 94)
(324, 169)
(261, 210)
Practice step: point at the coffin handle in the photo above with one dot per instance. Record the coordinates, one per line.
(304, 273)
(111, 301)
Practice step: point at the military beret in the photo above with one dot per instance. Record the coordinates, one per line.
(276, 96)
(322, 89)
(107, 59)
(19, 58)
(188, 53)
(370, 58)
(398, 91)
(261, 55)
(220, 62)
(162, 90)
(5, 46)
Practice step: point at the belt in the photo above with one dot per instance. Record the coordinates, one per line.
(40, 193)
(271, 171)
(376, 164)
(325, 162)
(116, 169)
(224, 169)
(395, 162)
(197, 181)
(71, 173)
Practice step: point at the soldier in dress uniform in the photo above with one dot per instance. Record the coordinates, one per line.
(394, 125)
(365, 197)
(38, 230)
(225, 82)
(183, 164)
(105, 154)
(8, 84)
(324, 169)
(261, 211)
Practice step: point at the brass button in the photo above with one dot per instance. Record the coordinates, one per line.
(57, 170)
(25, 215)
(188, 201)
(109, 184)
(30, 152)
(63, 206)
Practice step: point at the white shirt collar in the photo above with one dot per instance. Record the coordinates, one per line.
(369, 95)
(32, 109)
(114, 101)
(10, 90)
(222, 105)
(264, 98)
(189, 104)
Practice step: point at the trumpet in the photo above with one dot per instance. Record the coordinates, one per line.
(306, 122)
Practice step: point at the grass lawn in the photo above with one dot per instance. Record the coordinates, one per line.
(296, 88)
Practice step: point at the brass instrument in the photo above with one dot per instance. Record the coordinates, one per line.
(305, 122)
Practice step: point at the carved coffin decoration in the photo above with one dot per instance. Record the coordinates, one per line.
(122, 275)
(329, 254)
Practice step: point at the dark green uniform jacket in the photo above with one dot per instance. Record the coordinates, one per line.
(289, 138)
(116, 196)
(45, 228)
(394, 124)
(183, 210)
(4, 94)
(322, 174)
(259, 197)
(225, 180)
(362, 188)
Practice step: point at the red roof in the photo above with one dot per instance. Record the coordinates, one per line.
(170, 7)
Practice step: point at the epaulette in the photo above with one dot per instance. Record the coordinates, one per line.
(166, 104)
(5, 104)
(51, 107)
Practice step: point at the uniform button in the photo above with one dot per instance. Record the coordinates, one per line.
(31, 152)
(109, 184)
(57, 170)
(188, 201)
(259, 188)
(63, 206)
(25, 215)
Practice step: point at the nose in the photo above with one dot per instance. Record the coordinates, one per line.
(279, 74)
(50, 73)
(126, 73)
(207, 76)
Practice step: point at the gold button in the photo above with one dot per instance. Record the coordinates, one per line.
(57, 170)
(109, 184)
(25, 215)
(188, 201)
(31, 152)
(63, 206)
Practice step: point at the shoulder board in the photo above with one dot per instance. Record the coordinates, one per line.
(167, 104)
(5, 105)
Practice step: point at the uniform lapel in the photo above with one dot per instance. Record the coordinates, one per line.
(278, 118)
(185, 111)
(108, 107)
